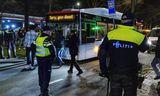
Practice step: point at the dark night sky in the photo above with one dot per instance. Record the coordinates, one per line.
(149, 10)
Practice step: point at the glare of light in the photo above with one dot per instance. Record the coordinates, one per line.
(13, 26)
(78, 3)
(8, 20)
(96, 28)
(31, 23)
(95, 49)
(7, 26)
(3, 21)
(149, 42)
(147, 30)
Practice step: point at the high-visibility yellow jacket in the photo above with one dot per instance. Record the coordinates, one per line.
(41, 47)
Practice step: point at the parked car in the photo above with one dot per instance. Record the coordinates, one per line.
(152, 39)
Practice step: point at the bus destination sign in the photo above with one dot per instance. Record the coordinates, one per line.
(65, 17)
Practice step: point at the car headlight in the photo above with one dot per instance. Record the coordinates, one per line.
(149, 42)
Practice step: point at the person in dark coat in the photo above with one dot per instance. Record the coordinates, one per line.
(59, 44)
(10, 38)
(73, 42)
(1, 44)
(21, 35)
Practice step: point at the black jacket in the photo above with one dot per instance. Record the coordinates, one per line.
(73, 44)
(1, 37)
(122, 46)
(157, 51)
(59, 41)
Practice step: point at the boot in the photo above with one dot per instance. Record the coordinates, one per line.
(80, 72)
(70, 71)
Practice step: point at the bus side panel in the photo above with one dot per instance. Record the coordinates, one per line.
(86, 51)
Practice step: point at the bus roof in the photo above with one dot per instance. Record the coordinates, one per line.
(64, 12)
(101, 12)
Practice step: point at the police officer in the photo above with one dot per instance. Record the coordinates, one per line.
(45, 53)
(1, 44)
(122, 45)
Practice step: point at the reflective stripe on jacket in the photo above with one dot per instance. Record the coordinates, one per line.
(41, 47)
(123, 45)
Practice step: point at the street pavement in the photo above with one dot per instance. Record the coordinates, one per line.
(6, 64)
(13, 82)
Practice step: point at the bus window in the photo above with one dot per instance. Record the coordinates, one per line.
(100, 35)
(88, 35)
(92, 32)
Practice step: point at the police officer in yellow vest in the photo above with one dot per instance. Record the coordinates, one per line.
(122, 45)
(45, 53)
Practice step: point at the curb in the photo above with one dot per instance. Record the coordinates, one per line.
(12, 66)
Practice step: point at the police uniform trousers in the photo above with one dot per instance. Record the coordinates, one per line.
(44, 72)
(123, 84)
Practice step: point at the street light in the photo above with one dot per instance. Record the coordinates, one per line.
(76, 5)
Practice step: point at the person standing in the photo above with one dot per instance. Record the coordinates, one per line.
(122, 46)
(10, 39)
(59, 44)
(45, 53)
(1, 44)
(30, 37)
(156, 59)
(21, 35)
(73, 43)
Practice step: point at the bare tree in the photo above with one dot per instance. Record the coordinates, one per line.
(96, 3)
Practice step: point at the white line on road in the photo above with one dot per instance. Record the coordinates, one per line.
(55, 81)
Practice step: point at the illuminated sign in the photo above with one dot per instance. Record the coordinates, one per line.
(67, 17)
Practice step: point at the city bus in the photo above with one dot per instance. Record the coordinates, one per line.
(13, 21)
(91, 24)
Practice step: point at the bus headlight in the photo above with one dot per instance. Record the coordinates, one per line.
(96, 48)
(149, 42)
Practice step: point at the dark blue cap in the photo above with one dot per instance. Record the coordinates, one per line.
(46, 28)
(128, 15)
(128, 19)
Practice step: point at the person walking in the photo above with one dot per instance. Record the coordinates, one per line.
(156, 59)
(45, 53)
(30, 37)
(59, 44)
(121, 46)
(73, 49)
